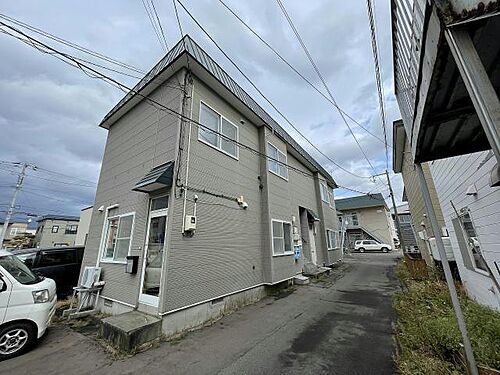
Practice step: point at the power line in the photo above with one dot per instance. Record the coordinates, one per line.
(318, 72)
(96, 74)
(150, 16)
(72, 44)
(295, 70)
(30, 191)
(65, 175)
(159, 24)
(378, 75)
(264, 96)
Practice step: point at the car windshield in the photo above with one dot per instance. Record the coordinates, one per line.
(13, 265)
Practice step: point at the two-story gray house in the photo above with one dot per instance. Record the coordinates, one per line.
(56, 230)
(215, 199)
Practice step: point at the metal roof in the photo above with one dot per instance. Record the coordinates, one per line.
(175, 59)
(157, 178)
(58, 217)
(360, 201)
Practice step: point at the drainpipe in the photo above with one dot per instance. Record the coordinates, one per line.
(188, 148)
(447, 272)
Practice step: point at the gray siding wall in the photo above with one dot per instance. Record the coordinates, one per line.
(416, 201)
(224, 255)
(142, 139)
(453, 177)
(231, 249)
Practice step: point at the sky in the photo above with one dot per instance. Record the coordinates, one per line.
(49, 111)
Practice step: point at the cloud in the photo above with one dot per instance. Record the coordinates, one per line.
(49, 112)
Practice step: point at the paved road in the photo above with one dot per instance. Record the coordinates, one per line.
(341, 326)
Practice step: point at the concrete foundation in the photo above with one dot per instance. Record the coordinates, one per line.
(130, 330)
(196, 316)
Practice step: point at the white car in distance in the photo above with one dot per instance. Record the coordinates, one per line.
(370, 245)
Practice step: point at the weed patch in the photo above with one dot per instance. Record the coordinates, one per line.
(427, 333)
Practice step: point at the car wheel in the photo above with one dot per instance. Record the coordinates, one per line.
(15, 339)
(361, 250)
(385, 249)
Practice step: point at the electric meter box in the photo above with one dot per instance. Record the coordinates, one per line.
(190, 223)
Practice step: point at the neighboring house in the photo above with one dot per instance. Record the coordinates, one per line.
(475, 226)
(368, 218)
(215, 209)
(446, 59)
(83, 226)
(56, 230)
(408, 232)
(402, 163)
(14, 229)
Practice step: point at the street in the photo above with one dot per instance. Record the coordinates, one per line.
(341, 325)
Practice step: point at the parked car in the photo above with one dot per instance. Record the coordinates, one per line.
(62, 264)
(27, 304)
(370, 245)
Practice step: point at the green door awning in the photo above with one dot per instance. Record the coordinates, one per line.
(159, 177)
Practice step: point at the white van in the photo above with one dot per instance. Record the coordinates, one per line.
(27, 304)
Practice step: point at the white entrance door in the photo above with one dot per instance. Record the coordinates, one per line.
(312, 243)
(154, 249)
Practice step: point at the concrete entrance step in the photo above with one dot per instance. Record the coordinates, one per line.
(301, 280)
(130, 330)
(318, 271)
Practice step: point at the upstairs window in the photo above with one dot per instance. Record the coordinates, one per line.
(354, 219)
(70, 229)
(55, 228)
(277, 161)
(218, 131)
(326, 194)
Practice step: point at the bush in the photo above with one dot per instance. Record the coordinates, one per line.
(427, 333)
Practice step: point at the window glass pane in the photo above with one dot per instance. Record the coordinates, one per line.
(329, 238)
(277, 229)
(288, 237)
(229, 130)
(71, 229)
(125, 227)
(57, 258)
(278, 246)
(272, 152)
(121, 250)
(159, 203)
(211, 120)
(282, 169)
(111, 238)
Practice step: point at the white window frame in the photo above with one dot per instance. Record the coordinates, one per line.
(467, 211)
(285, 253)
(326, 195)
(278, 151)
(352, 220)
(335, 234)
(105, 234)
(219, 131)
(54, 231)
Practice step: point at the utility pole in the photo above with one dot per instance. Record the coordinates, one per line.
(398, 225)
(469, 354)
(20, 180)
